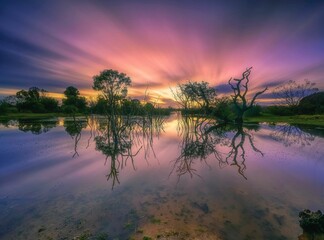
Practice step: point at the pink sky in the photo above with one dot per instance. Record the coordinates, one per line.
(158, 45)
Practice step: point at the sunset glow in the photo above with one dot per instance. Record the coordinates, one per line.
(55, 44)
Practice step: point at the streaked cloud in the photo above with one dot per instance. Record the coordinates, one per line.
(54, 44)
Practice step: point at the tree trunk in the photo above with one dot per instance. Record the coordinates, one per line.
(239, 118)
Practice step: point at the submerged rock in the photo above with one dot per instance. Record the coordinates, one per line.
(203, 206)
(311, 222)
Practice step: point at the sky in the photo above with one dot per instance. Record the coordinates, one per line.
(158, 44)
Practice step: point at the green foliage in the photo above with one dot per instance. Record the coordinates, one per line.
(73, 99)
(100, 106)
(71, 92)
(281, 110)
(147, 238)
(149, 107)
(132, 107)
(70, 109)
(113, 86)
(8, 105)
(50, 104)
(254, 111)
(314, 120)
(35, 100)
(128, 106)
(312, 222)
(224, 110)
(102, 236)
(312, 104)
(195, 95)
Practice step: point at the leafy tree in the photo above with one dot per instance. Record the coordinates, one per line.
(290, 93)
(224, 109)
(8, 104)
(200, 93)
(195, 94)
(100, 106)
(73, 98)
(312, 104)
(70, 109)
(280, 110)
(240, 88)
(131, 107)
(181, 96)
(29, 100)
(255, 111)
(50, 104)
(113, 86)
(35, 100)
(149, 108)
(71, 92)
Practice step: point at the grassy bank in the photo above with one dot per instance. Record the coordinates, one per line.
(25, 116)
(14, 116)
(315, 120)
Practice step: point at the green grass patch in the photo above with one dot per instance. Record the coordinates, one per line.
(314, 120)
(15, 116)
(155, 220)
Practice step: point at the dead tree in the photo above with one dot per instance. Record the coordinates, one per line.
(240, 88)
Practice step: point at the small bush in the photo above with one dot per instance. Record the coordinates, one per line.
(255, 111)
(281, 110)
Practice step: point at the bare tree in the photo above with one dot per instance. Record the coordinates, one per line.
(181, 97)
(240, 88)
(290, 93)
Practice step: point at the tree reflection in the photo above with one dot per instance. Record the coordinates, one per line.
(291, 135)
(202, 138)
(74, 128)
(195, 144)
(34, 126)
(120, 139)
(237, 154)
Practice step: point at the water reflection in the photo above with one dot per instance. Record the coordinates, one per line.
(120, 139)
(291, 135)
(202, 138)
(33, 126)
(73, 192)
(197, 144)
(237, 154)
(74, 128)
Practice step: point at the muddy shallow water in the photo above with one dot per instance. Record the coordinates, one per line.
(166, 178)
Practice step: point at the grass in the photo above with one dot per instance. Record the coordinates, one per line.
(15, 116)
(314, 120)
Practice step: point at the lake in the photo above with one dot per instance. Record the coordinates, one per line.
(157, 178)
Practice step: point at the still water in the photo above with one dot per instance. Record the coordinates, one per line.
(164, 178)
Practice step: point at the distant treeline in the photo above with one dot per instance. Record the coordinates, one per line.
(36, 100)
(192, 98)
